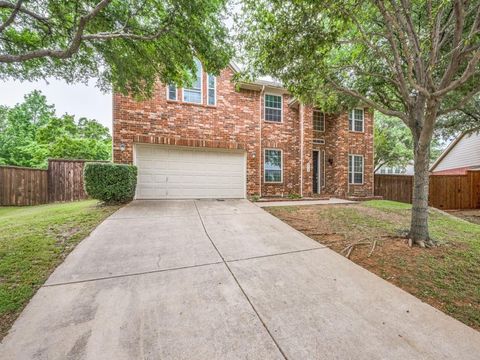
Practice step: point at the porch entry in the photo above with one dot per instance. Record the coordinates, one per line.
(318, 173)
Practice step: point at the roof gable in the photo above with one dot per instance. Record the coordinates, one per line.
(464, 151)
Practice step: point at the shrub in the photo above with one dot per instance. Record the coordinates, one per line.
(255, 197)
(294, 196)
(111, 183)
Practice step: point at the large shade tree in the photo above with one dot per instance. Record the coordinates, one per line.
(126, 44)
(412, 59)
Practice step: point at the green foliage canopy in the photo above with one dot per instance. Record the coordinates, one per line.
(392, 142)
(125, 43)
(335, 53)
(464, 119)
(31, 133)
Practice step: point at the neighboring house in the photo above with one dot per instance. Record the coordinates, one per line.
(219, 139)
(461, 155)
(396, 170)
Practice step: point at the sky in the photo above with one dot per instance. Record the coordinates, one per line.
(76, 99)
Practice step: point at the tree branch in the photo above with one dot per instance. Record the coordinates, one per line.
(21, 9)
(58, 54)
(461, 104)
(469, 71)
(12, 16)
(457, 37)
(122, 35)
(373, 104)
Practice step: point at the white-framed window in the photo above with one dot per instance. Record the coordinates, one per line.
(193, 94)
(356, 119)
(319, 141)
(318, 120)
(212, 89)
(273, 166)
(273, 107)
(355, 169)
(172, 92)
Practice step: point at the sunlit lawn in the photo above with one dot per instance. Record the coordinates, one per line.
(33, 241)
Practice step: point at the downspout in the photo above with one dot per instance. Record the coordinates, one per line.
(301, 148)
(260, 156)
(348, 158)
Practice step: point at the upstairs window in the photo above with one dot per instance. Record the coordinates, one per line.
(318, 120)
(355, 169)
(273, 108)
(273, 166)
(171, 92)
(356, 120)
(212, 85)
(193, 94)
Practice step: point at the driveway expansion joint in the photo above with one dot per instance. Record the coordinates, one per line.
(131, 274)
(278, 254)
(150, 217)
(240, 286)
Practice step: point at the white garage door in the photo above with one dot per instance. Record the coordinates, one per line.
(169, 172)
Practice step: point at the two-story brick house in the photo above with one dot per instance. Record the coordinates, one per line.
(218, 139)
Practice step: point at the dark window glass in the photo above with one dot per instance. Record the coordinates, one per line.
(273, 108)
(273, 166)
(355, 169)
(211, 90)
(172, 92)
(318, 120)
(356, 120)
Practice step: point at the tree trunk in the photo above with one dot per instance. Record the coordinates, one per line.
(419, 222)
(422, 138)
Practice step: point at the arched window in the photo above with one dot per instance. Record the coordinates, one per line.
(193, 94)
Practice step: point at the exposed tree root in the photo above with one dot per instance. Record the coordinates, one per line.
(350, 247)
(424, 244)
(373, 248)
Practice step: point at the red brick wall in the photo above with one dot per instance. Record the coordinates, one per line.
(235, 122)
(339, 143)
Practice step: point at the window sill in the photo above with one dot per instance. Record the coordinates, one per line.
(191, 104)
(273, 121)
(356, 132)
(273, 182)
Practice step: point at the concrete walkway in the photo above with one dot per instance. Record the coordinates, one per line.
(222, 280)
(331, 201)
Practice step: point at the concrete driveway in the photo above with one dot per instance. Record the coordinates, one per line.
(223, 280)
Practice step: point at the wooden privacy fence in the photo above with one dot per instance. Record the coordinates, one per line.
(446, 191)
(23, 186)
(62, 181)
(394, 187)
(65, 180)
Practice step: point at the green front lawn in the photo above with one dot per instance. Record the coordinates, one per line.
(33, 241)
(447, 276)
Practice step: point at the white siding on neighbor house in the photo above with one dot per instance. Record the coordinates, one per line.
(465, 153)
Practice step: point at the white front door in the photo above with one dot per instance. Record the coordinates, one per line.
(173, 172)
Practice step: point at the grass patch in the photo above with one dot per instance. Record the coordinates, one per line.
(33, 241)
(446, 276)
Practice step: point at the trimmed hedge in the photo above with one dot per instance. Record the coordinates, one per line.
(111, 183)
